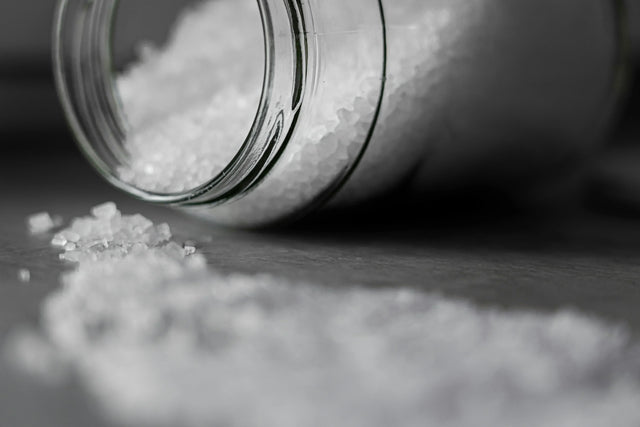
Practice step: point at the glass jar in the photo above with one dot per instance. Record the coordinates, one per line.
(356, 99)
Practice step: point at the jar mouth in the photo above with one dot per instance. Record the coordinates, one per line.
(84, 71)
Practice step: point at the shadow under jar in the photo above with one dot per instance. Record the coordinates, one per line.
(257, 112)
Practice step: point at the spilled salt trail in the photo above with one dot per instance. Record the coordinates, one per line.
(161, 339)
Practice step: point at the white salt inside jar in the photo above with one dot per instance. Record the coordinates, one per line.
(354, 100)
(190, 104)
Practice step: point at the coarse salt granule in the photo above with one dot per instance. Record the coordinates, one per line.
(24, 275)
(106, 211)
(58, 240)
(41, 223)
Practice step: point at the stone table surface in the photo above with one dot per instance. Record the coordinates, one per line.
(578, 258)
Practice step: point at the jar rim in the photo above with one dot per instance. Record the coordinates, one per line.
(82, 66)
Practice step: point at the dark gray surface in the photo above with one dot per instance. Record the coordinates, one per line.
(572, 259)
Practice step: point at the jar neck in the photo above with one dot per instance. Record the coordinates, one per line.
(85, 79)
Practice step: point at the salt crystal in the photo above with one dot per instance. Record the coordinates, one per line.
(98, 244)
(24, 275)
(59, 240)
(40, 223)
(105, 211)
(189, 249)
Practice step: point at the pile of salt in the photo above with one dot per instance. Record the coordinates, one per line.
(160, 339)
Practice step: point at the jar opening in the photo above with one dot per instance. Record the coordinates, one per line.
(189, 104)
(194, 118)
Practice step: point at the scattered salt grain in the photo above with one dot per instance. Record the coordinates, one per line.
(24, 275)
(105, 211)
(189, 248)
(42, 223)
(59, 240)
(107, 234)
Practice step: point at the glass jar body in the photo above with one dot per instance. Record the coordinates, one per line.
(362, 97)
